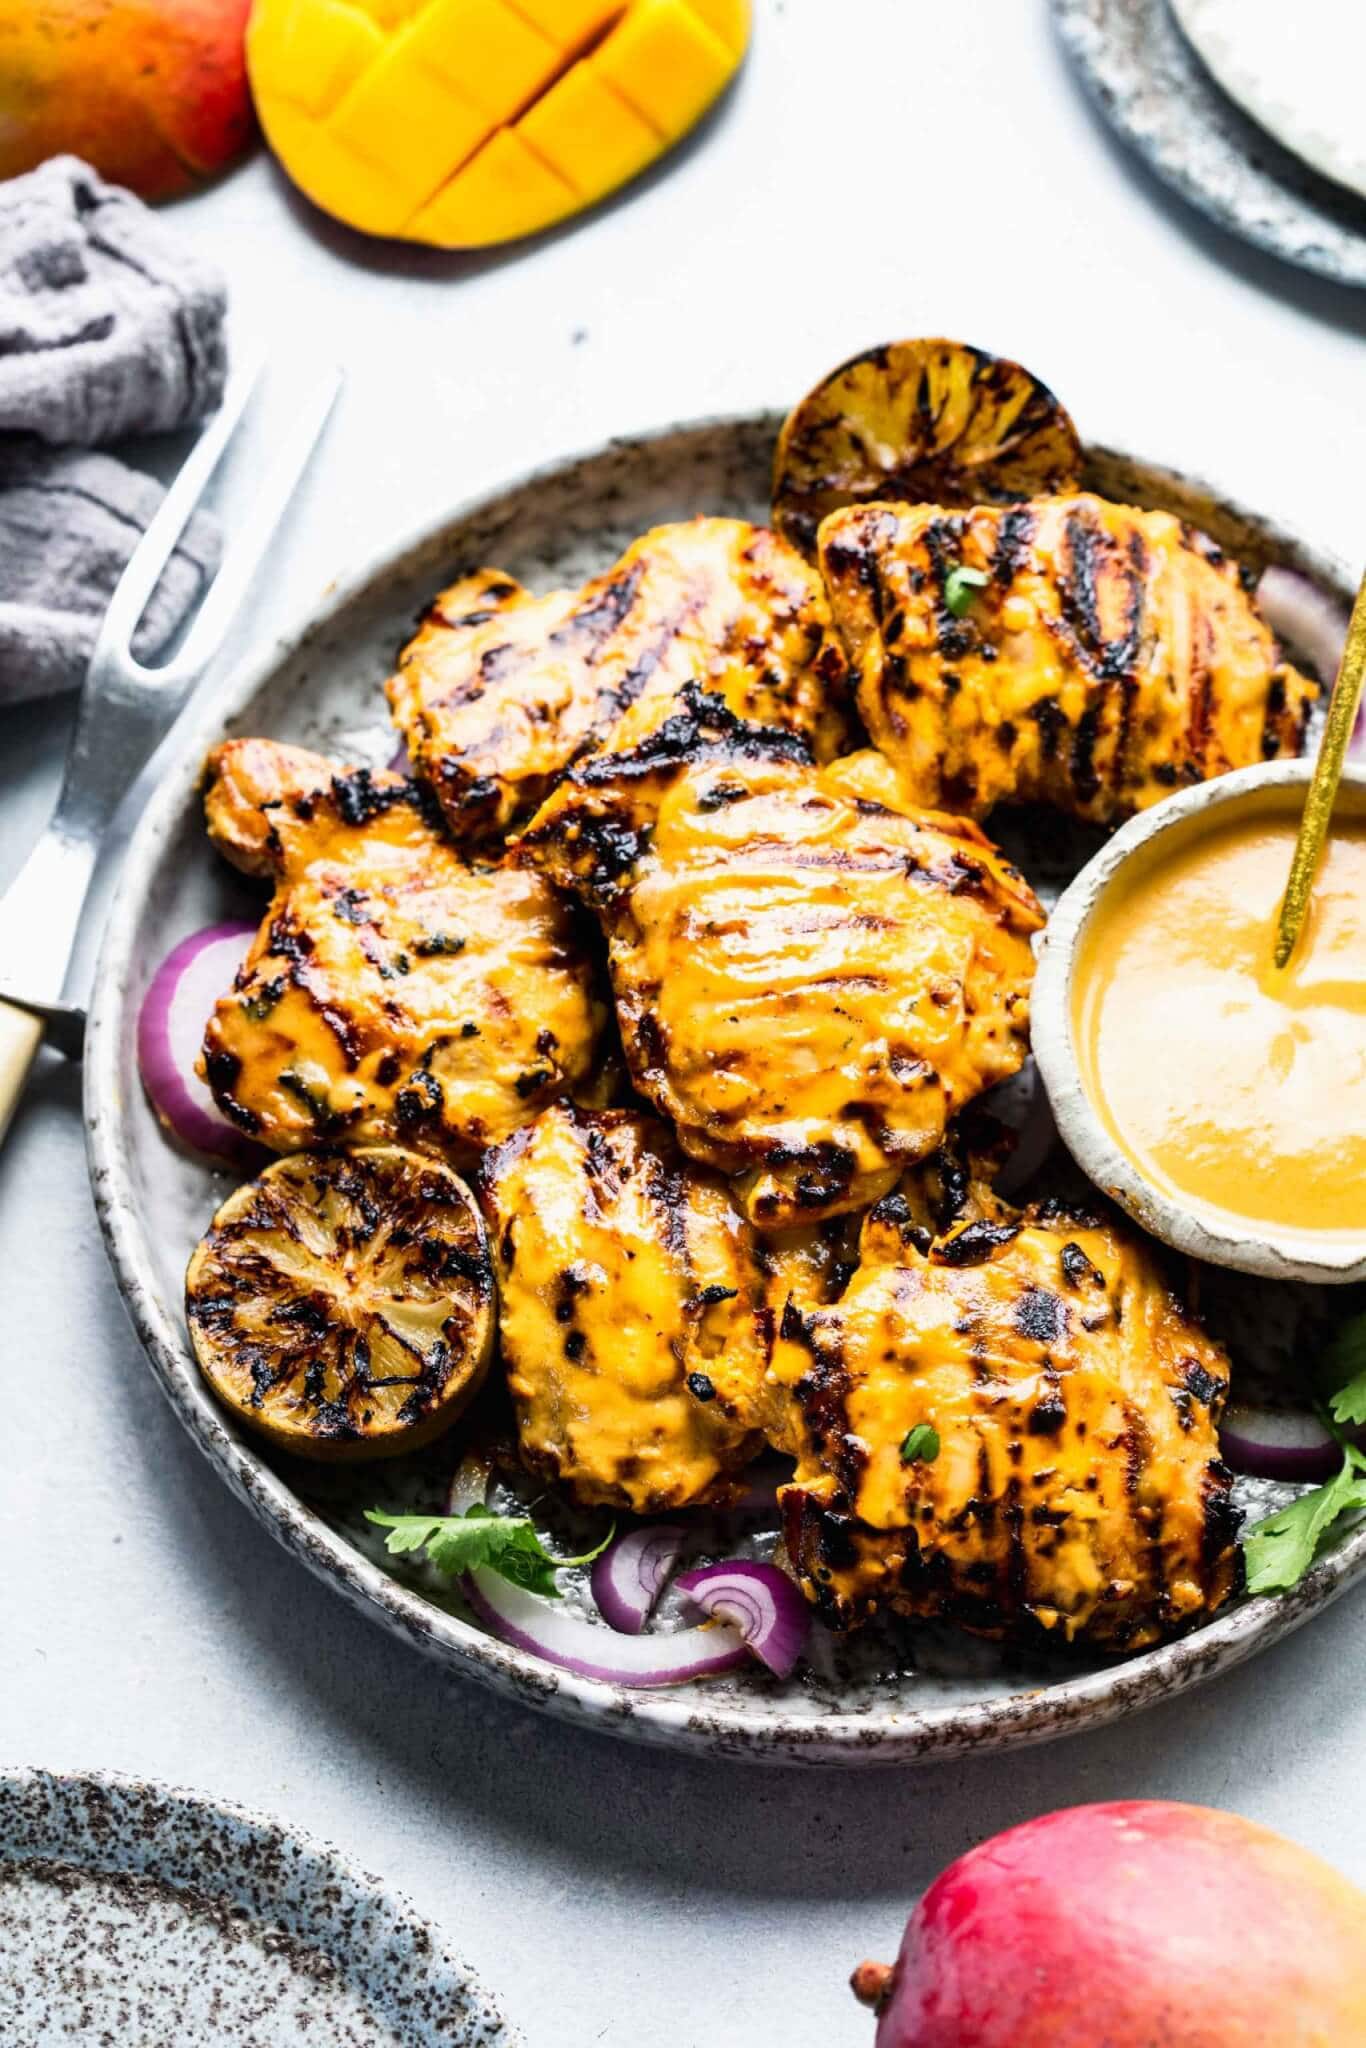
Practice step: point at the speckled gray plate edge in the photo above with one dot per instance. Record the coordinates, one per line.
(1155, 93)
(286, 1883)
(762, 1732)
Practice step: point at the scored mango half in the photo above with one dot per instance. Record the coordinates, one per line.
(468, 122)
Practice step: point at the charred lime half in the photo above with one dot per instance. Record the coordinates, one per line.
(924, 423)
(342, 1303)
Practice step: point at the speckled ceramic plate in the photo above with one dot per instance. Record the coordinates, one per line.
(1156, 93)
(877, 1698)
(138, 1914)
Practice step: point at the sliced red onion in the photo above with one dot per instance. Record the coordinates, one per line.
(1298, 612)
(1278, 1443)
(171, 1024)
(760, 1601)
(549, 1629)
(631, 1574)
(401, 761)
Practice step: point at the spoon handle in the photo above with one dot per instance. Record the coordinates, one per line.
(1323, 786)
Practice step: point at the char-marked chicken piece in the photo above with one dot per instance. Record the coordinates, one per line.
(501, 691)
(952, 1185)
(1067, 651)
(394, 991)
(1014, 1431)
(809, 1263)
(631, 1311)
(809, 980)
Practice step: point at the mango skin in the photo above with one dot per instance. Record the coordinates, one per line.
(151, 93)
(1137, 1924)
(463, 123)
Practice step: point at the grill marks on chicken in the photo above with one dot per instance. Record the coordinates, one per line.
(816, 968)
(1111, 655)
(632, 1311)
(500, 691)
(1077, 1489)
(393, 991)
(809, 982)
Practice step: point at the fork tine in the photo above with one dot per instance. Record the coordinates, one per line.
(244, 556)
(140, 578)
(125, 710)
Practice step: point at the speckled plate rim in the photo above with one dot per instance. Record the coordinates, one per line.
(1297, 183)
(760, 1733)
(324, 1901)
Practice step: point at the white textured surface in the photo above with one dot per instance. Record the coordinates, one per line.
(918, 169)
(1296, 69)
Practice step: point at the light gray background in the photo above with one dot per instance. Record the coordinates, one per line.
(884, 167)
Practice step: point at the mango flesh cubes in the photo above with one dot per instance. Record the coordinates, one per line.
(467, 122)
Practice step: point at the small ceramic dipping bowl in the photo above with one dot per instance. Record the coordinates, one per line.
(1201, 1233)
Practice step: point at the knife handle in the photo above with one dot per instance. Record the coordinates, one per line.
(20, 1038)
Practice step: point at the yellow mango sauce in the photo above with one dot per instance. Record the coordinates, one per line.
(1238, 1090)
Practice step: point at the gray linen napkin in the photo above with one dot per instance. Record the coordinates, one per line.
(68, 523)
(108, 327)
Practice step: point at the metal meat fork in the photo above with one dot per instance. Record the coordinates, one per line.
(125, 710)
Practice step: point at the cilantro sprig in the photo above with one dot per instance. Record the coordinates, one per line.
(1279, 1550)
(1344, 1370)
(959, 585)
(507, 1544)
(920, 1445)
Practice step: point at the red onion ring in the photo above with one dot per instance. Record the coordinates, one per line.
(401, 762)
(550, 1630)
(555, 1632)
(760, 1601)
(1298, 612)
(1278, 1443)
(171, 1025)
(631, 1574)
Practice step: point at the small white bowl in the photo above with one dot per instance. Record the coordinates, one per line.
(1290, 1255)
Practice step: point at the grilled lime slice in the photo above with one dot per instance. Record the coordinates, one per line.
(924, 423)
(342, 1303)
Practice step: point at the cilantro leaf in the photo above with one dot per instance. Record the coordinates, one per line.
(920, 1445)
(1344, 1370)
(1280, 1550)
(959, 585)
(1349, 1402)
(507, 1544)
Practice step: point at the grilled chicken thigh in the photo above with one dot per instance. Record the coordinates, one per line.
(808, 1263)
(500, 691)
(393, 991)
(1076, 1487)
(1100, 658)
(631, 1311)
(954, 1184)
(809, 981)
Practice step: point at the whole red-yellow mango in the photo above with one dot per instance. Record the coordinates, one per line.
(1139, 1924)
(152, 93)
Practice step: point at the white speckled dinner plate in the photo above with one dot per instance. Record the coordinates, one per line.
(1153, 89)
(877, 1698)
(145, 1915)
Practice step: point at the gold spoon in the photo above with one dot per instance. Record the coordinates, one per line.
(1323, 786)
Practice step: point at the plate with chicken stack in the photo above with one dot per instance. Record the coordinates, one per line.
(579, 1171)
